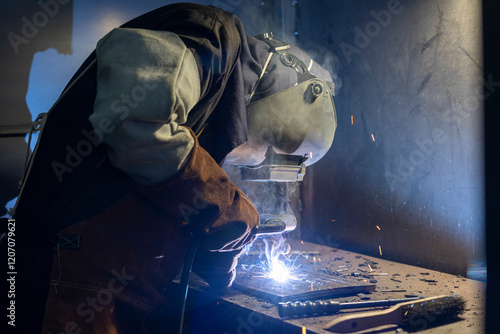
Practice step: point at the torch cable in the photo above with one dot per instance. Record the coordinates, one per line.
(186, 273)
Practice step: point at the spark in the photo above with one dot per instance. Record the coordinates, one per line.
(378, 227)
(279, 272)
(373, 137)
(304, 330)
(352, 119)
(279, 265)
(380, 250)
(310, 155)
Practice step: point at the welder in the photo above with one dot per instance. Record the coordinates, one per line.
(126, 173)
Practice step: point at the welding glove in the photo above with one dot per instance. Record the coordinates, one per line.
(213, 209)
(217, 268)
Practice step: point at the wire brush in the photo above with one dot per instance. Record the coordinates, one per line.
(413, 315)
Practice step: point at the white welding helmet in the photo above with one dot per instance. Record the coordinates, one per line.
(295, 125)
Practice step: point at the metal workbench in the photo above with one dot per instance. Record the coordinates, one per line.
(239, 312)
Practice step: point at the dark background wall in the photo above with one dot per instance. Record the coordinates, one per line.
(404, 177)
(25, 29)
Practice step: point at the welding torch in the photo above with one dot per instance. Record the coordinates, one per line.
(274, 224)
(269, 224)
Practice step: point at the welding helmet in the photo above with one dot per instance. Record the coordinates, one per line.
(291, 128)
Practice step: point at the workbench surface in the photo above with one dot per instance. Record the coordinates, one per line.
(238, 312)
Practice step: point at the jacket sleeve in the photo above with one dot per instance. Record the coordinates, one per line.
(147, 82)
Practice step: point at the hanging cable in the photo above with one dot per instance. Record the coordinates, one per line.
(186, 273)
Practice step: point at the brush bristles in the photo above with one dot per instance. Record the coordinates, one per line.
(433, 313)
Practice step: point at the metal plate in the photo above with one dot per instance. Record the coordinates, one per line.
(308, 284)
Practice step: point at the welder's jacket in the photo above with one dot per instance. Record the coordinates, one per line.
(116, 240)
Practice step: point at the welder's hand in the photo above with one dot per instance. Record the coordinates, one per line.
(203, 199)
(217, 268)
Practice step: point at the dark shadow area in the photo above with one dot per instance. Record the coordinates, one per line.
(27, 27)
(492, 151)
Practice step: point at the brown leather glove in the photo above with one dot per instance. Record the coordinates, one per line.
(213, 209)
(217, 268)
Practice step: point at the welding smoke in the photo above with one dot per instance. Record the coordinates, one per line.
(326, 59)
(275, 246)
(269, 198)
(321, 55)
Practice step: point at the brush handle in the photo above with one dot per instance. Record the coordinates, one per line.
(308, 308)
(366, 320)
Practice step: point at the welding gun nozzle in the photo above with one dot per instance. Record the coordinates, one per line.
(272, 224)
